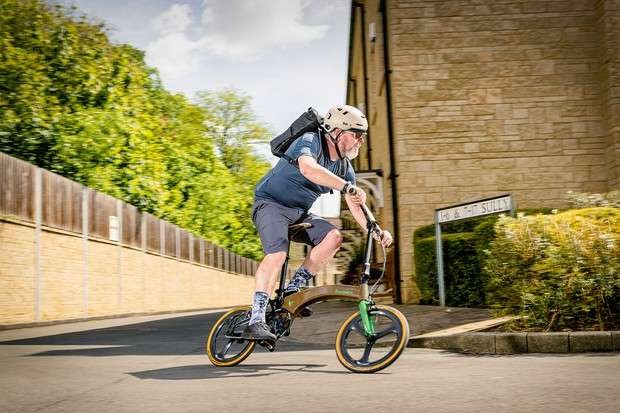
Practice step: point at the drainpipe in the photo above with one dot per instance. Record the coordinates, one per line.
(393, 174)
(365, 65)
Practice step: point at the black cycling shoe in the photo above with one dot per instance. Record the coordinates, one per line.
(258, 331)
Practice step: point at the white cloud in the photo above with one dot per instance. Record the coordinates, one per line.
(242, 29)
(176, 19)
(239, 30)
(172, 54)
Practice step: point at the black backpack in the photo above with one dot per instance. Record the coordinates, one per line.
(309, 121)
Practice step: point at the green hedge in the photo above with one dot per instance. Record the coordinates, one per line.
(464, 243)
(560, 271)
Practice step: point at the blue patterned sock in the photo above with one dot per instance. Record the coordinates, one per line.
(300, 279)
(261, 299)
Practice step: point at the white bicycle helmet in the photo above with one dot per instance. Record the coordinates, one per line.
(345, 117)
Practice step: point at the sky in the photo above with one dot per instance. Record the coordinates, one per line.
(287, 55)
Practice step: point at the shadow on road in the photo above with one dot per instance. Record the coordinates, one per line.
(207, 371)
(173, 336)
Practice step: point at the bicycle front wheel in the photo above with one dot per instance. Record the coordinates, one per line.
(368, 354)
(224, 346)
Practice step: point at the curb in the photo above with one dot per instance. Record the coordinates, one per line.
(515, 343)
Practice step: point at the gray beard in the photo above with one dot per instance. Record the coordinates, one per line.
(352, 154)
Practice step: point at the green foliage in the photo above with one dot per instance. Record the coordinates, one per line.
(561, 271)
(73, 103)
(464, 243)
(461, 280)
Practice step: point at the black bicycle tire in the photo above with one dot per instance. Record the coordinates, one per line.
(385, 361)
(209, 344)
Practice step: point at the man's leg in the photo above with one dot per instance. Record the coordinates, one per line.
(318, 256)
(265, 278)
(324, 251)
(272, 223)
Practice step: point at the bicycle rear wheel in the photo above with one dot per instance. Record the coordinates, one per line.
(369, 354)
(224, 345)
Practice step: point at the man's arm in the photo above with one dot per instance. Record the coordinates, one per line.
(356, 211)
(355, 203)
(311, 170)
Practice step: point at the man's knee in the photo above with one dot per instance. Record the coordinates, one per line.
(275, 259)
(335, 238)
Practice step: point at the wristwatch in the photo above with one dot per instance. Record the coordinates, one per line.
(346, 187)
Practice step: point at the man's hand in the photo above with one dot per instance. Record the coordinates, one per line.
(385, 239)
(357, 198)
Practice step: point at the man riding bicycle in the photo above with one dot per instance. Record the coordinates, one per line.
(286, 193)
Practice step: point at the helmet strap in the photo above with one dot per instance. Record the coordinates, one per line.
(335, 142)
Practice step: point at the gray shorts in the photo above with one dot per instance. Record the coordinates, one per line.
(272, 220)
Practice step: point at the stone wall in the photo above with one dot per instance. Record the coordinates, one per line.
(608, 25)
(75, 278)
(491, 97)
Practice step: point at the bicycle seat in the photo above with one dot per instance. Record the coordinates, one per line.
(295, 228)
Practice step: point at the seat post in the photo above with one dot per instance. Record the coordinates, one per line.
(292, 232)
(284, 269)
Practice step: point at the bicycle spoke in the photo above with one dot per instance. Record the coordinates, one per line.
(392, 329)
(225, 350)
(358, 328)
(385, 333)
(367, 350)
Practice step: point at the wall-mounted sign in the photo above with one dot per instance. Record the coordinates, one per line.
(114, 228)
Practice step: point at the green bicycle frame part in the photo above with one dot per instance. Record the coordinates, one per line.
(369, 327)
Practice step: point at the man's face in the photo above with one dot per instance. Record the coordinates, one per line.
(350, 143)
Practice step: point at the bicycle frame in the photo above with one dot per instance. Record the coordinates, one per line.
(294, 303)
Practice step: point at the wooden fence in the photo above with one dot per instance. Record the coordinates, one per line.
(44, 198)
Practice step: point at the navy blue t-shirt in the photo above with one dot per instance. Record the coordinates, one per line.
(284, 183)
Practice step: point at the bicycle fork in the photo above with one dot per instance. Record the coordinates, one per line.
(364, 306)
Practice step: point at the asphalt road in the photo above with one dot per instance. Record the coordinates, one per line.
(157, 364)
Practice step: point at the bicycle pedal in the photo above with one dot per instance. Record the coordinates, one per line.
(269, 345)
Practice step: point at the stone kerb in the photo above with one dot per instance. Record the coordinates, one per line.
(530, 342)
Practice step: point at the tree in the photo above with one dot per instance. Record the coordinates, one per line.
(73, 103)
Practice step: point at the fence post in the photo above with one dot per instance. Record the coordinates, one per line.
(177, 242)
(162, 239)
(202, 251)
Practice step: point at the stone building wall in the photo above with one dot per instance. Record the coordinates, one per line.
(494, 96)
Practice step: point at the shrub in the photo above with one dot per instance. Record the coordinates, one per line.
(561, 271)
(460, 262)
(464, 243)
